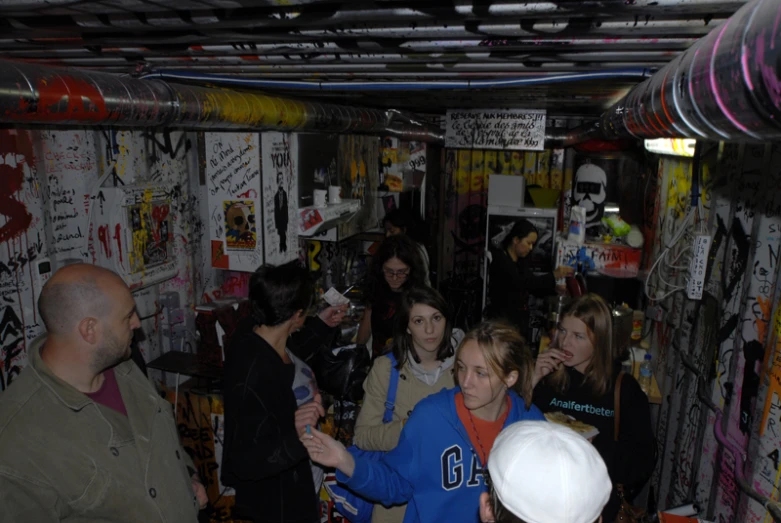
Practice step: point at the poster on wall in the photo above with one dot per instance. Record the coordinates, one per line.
(501, 129)
(240, 231)
(280, 190)
(232, 173)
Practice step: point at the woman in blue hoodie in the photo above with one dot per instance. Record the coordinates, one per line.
(437, 465)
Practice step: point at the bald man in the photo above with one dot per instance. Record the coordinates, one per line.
(84, 437)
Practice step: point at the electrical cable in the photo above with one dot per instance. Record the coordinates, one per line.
(421, 85)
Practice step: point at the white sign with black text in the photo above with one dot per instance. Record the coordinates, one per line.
(520, 129)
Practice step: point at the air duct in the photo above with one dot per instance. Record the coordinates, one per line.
(34, 94)
(725, 87)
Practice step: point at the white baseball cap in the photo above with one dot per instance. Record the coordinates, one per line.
(547, 473)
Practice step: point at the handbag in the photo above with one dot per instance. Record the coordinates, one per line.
(627, 513)
(342, 374)
(354, 507)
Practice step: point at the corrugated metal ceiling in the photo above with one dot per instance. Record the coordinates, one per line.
(358, 42)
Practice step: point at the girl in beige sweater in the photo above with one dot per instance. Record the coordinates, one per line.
(424, 346)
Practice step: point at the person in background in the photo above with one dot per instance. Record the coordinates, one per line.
(510, 280)
(577, 376)
(399, 221)
(396, 267)
(446, 442)
(271, 396)
(84, 435)
(544, 473)
(424, 351)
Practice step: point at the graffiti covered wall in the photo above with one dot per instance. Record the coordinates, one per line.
(729, 337)
(50, 201)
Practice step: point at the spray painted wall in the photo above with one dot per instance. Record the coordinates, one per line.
(50, 201)
(729, 337)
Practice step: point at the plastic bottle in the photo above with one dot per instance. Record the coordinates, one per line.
(646, 371)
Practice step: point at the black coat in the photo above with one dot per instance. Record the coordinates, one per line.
(262, 458)
(509, 286)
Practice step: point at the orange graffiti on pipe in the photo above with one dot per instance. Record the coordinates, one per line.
(62, 98)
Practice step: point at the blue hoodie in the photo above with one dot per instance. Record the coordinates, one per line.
(434, 467)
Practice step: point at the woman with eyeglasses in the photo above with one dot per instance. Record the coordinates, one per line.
(395, 268)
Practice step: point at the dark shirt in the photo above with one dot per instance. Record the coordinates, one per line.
(630, 461)
(509, 285)
(108, 394)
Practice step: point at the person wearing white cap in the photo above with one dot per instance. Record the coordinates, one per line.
(544, 473)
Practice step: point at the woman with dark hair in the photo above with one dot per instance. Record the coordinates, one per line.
(400, 221)
(510, 280)
(271, 396)
(578, 376)
(424, 352)
(396, 267)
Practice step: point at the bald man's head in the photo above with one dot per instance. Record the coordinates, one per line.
(76, 292)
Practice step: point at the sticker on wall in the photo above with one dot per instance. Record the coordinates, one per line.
(150, 223)
(240, 231)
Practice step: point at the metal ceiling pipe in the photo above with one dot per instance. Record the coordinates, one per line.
(570, 137)
(725, 87)
(33, 94)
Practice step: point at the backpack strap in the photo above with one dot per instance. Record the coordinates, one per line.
(617, 405)
(393, 385)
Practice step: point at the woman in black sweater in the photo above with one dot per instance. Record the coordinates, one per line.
(510, 280)
(577, 376)
(271, 396)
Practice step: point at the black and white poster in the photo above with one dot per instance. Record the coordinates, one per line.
(280, 201)
(501, 129)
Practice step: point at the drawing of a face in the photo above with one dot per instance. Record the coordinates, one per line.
(241, 222)
(590, 190)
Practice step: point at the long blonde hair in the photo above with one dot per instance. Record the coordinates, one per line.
(504, 351)
(592, 310)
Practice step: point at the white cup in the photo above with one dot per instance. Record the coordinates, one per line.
(335, 194)
(320, 197)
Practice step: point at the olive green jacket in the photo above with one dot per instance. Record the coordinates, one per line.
(65, 458)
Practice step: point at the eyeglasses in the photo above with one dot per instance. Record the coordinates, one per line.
(400, 275)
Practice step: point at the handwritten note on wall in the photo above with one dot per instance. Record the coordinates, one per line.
(522, 129)
(232, 170)
(69, 161)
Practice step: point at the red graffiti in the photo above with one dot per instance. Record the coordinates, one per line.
(65, 98)
(233, 286)
(252, 193)
(103, 236)
(118, 237)
(13, 144)
(160, 229)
